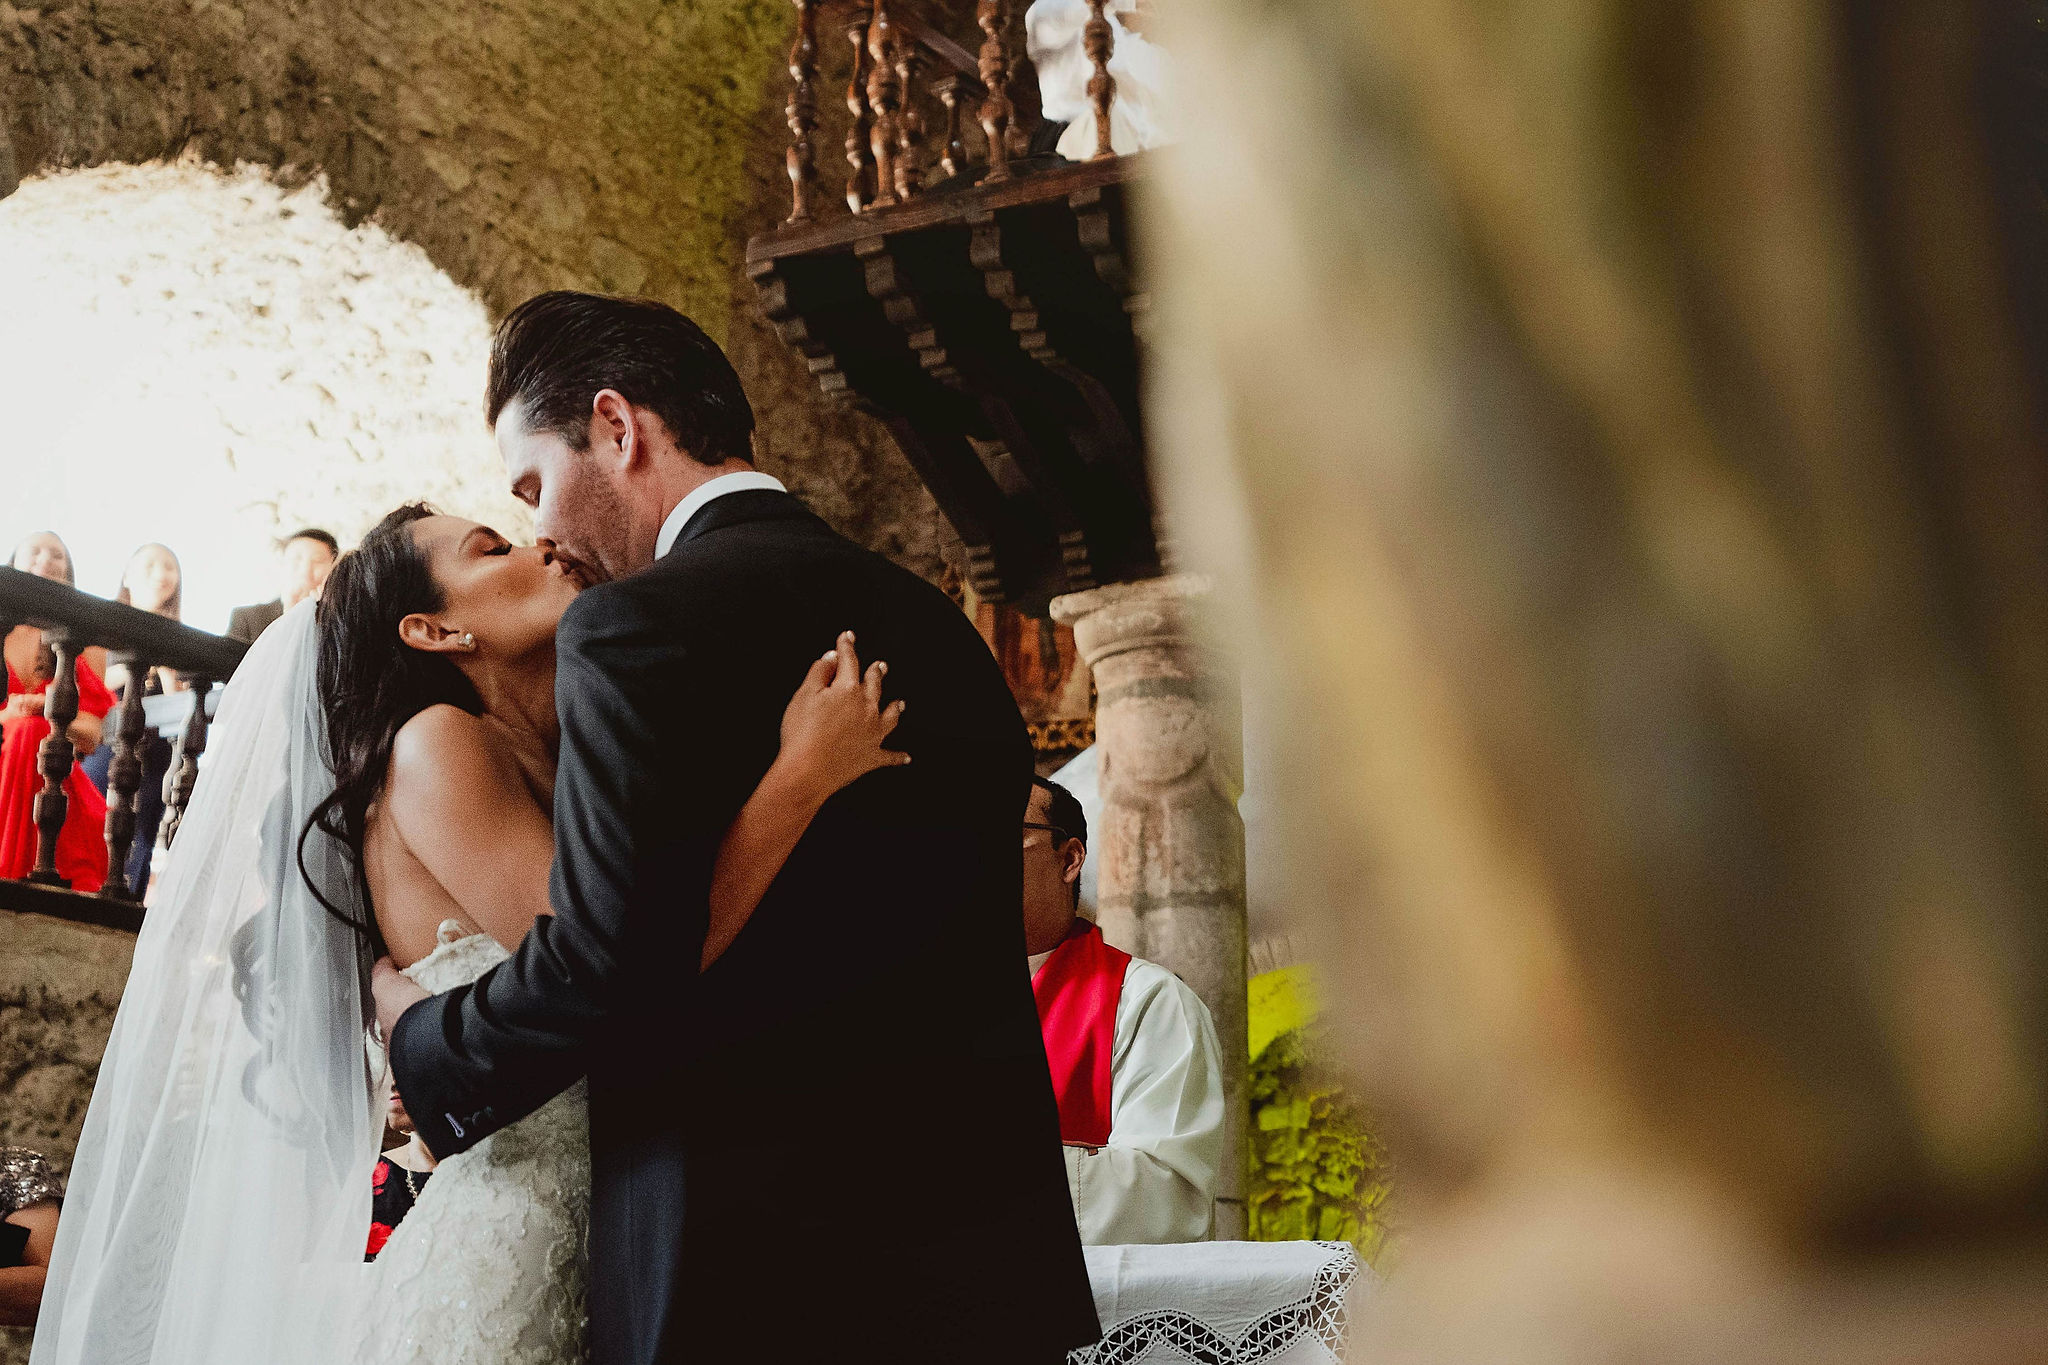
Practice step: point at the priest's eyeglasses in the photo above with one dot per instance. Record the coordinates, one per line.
(1059, 836)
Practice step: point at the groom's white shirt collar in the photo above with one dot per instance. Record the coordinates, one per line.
(746, 481)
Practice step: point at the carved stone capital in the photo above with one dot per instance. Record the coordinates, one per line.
(1124, 616)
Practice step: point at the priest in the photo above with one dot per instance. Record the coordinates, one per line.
(1134, 1058)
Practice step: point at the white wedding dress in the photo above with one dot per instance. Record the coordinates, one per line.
(489, 1267)
(220, 1196)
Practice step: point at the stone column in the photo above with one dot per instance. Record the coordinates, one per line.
(1169, 843)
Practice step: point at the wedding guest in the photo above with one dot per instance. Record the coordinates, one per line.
(1134, 1057)
(29, 1198)
(401, 1173)
(153, 582)
(31, 666)
(46, 556)
(307, 557)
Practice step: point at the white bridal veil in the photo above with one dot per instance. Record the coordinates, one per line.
(220, 1199)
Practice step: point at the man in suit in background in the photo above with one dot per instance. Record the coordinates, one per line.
(306, 559)
(839, 1143)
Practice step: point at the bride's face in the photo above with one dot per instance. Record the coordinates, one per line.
(510, 597)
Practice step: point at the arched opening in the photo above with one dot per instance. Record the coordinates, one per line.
(208, 359)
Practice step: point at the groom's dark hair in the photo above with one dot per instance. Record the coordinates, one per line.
(555, 352)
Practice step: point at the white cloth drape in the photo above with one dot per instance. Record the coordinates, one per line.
(1156, 1180)
(1137, 116)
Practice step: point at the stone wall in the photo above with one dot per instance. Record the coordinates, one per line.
(619, 145)
(525, 145)
(59, 986)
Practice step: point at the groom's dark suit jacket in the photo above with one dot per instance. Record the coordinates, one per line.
(840, 1143)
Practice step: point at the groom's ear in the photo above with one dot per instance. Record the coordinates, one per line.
(423, 632)
(615, 428)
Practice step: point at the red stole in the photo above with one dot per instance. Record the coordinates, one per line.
(1077, 989)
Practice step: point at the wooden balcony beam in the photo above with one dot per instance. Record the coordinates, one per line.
(935, 210)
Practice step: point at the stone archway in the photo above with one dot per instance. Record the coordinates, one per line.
(616, 146)
(524, 146)
(212, 361)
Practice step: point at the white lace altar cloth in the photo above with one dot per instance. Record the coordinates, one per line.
(1222, 1303)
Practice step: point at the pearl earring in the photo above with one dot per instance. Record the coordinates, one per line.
(468, 640)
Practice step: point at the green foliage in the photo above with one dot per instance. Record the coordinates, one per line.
(1317, 1169)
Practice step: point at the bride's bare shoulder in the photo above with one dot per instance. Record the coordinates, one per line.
(459, 833)
(444, 732)
(444, 753)
(441, 810)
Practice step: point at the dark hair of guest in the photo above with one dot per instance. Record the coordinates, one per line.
(315, 533)
(554, 353)
(371, 683)
(173, 609)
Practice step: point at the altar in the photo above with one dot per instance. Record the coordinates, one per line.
(1224, 1303)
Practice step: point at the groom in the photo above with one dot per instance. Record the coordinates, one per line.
(840, 1142)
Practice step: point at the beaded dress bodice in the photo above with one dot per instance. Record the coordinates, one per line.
(490, 1266)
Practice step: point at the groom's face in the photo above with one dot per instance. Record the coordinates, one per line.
(576, 495)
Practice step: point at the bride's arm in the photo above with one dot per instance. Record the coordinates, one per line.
(459, 803)
(832, 734)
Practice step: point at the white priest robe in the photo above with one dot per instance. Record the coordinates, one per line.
(1156, 1180)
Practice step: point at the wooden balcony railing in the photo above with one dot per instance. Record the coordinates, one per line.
(978, 297)
(905, 79)
(72, 621)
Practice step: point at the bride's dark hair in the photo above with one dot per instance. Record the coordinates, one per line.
(372, 683)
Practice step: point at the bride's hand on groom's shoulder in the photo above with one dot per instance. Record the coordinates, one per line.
(834, 728)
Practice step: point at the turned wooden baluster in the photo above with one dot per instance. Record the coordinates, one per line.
(996, 109)
(1099, 40)
(885, 94)
(124, 780)
(803, 112)
(53, 758)
(184, 773)
(910, 127)
(948, 88)
(860, 186)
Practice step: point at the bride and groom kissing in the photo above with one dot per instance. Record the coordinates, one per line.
(729, 971)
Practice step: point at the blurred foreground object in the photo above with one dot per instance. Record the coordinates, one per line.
(1615, 434)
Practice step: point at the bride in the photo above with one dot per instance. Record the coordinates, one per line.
(380, 782)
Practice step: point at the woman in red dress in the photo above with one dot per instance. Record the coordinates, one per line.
(81, 844)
